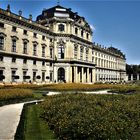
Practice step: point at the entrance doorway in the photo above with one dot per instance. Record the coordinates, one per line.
(61, 75)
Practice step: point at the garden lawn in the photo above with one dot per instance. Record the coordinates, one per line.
(33, 127)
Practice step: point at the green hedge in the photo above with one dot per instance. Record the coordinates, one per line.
(82, 116)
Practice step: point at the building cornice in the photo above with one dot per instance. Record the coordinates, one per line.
(24, 56)
(98, 48)
(103, 68)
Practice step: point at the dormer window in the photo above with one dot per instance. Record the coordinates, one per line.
(61, 27)
(14, 29)
(35, 35)
(25, 32)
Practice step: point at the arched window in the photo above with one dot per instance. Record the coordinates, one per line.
(61, 74)
(25, 47)
(61, 52)
(61, 27)
(14, 43)
(1, 42)
(25, 42)
(2, 36)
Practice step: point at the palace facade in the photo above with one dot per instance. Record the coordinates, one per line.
(57, 47)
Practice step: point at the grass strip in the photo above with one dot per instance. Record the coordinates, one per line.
(32, 127)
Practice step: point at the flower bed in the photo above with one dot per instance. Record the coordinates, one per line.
(14, 95)
(82, 116)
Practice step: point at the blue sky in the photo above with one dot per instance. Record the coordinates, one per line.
(116, 23)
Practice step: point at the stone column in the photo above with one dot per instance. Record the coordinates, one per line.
(78, 75)
(88, 81)
(93, 75)
(75, 74)
(82, 74)
(70, 74)
(131, 77)
(137, 76)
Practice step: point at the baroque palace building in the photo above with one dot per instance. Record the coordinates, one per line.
(56, 47)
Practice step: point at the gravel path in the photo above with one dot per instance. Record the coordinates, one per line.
(9, 119)
(86, 92)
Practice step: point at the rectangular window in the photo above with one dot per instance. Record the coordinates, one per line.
(1, 58)
(87, 35)
(81, 53)
(43, 37)
(50, 39)
(82, 33)
(61, 27)
(25, 47)
(35, 35)
(76, 31)
(61, 52)
(24, 76)
(13, 73)
(13, 60)
(34, 62)
(43, 51)
(50, 64)
(25, 32)
(1, 25)
(34, 76)
(1, 75)
(14, 29)
(51, 53)
(87, 55)
(43, 76)
(43, 63)
(13, 45)
(24, 61)
(75, 52)
(92, 59)
(1, 43)
(34, 49)
(51, 76)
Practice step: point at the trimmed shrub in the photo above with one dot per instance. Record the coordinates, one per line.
(83, 116)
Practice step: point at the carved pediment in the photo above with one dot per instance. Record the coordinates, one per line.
(15, 37)
(25, 40)
(61, 42)
(2, 34)
(82, 22)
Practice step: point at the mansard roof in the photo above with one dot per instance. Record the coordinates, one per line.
(58, 11)
(61, 12)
